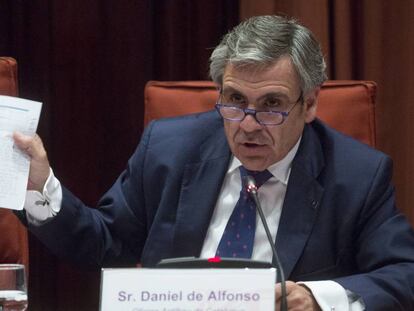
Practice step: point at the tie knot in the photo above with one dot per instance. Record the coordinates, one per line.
(260, 177)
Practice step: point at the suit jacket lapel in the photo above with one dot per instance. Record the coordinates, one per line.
(199, 192)
(202, 183)
(301, 201)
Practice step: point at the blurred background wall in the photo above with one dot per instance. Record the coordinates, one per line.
(88, 61)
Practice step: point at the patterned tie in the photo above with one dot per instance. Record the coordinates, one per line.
(238, 237)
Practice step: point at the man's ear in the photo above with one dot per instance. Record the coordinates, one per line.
(310, 104)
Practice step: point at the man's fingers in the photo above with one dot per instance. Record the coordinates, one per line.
(39, 164)
(289, 286)
(278, 293)
(24, 142)
(31, 145)
(298, 297)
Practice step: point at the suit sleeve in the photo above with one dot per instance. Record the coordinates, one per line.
(385, 249)
(114, 233)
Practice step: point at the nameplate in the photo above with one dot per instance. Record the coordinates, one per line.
(188, 289)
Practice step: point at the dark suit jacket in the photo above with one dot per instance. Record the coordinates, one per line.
(338, 221)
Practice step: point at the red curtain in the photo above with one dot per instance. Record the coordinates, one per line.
(88, 62)
(367, 40)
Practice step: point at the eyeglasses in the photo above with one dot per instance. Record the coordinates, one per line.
(229, 111)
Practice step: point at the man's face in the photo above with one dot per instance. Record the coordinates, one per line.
(275, 88)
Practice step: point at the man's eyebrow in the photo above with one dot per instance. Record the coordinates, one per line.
(229, 89)
(274, 95)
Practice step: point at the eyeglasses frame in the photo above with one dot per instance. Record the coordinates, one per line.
(253, 112)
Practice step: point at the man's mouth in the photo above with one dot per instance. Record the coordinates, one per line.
(252, 145)
(252, 149)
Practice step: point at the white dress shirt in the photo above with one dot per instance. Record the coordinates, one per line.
(271, 196)
(329, 295)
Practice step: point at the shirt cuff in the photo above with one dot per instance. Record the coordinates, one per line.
(331, 296)
(42, 206)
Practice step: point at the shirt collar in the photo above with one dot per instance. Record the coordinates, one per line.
(280, 170)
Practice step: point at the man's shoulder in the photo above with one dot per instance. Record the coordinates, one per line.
(333, 141)
(186, 135)
(190, 124)
(344, 155)
(342, 164)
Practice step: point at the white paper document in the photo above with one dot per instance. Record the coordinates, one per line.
(22, 115)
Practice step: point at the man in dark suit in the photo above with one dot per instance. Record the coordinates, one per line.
(329, 200)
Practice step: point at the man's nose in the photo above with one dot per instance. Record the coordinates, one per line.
(250, 124)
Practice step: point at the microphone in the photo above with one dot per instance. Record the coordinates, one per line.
(252, 190)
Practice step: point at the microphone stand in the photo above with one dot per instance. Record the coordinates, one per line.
(252, 190)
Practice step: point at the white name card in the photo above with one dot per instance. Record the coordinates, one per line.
(188, 289)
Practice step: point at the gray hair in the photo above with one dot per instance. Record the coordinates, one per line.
(262, 40)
